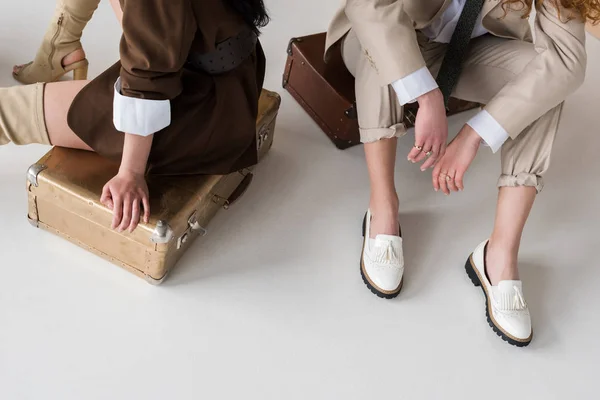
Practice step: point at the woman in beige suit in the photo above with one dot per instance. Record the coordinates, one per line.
(395, 48)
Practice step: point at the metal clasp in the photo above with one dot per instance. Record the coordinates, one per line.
(195, 225)
(263, 136)
(218, 199)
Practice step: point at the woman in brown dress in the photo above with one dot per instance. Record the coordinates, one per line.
(183, 99)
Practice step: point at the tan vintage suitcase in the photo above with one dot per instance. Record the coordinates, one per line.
(64, 189)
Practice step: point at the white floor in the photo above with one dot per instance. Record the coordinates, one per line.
(271, 305)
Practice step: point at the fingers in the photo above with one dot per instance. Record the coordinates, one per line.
(440, 179)
(127, 212)
(442, 152)
(127, 206)
(146, 203)
(106, 197)
(135, 215)
(124, 195)
(416, 150)
(435, 175)
(435, 155)
(426, 148)
(443, 181)
(117, 212)
(451, 182)
(458, 179)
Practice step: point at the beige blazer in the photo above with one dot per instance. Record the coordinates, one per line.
(386, 30)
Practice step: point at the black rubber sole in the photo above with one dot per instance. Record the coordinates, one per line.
(475, 279)
(372, 288)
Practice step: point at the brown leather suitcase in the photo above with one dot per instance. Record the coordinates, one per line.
(64, 189)
(326, 91)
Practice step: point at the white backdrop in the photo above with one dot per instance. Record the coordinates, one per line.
(270, 305)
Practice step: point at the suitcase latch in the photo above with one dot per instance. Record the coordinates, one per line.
(263, 136)
(194, 226)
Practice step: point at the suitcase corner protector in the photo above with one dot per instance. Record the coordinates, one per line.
(33, 172)
(155, 281)
(290, 43)
(33, 222)
(162, 234)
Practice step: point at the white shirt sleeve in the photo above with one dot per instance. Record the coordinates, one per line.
(409, 88)
(486, 126)
(139, 116)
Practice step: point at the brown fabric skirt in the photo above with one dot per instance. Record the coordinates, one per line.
(213, 121)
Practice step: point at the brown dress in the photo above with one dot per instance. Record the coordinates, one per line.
(213, 117)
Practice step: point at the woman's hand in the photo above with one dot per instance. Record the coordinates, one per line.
(431, 130)
(450, 169)
(124, 195)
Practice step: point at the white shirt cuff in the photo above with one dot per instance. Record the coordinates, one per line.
(486, 126)
(139, 116)
(409, 88)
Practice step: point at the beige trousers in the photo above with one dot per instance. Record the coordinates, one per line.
(491, 63)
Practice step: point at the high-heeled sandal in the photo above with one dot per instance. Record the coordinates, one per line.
(33, 73)
(61, 39)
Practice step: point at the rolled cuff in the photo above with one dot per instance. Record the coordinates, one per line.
(490, 130)
(372, 135)
(139, 116)
(411, 87)
(522, 179)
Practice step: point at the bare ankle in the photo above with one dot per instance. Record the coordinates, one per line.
(501, 263)
(385, 201)
(73, 57)
(384, 213)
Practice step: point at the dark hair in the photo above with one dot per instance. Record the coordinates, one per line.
(253, 12)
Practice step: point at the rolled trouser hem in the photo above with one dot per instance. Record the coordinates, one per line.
(372, 135)
(522, 179)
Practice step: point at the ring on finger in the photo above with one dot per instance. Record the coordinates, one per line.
(445, 176)
(429, 153)
(418, 147)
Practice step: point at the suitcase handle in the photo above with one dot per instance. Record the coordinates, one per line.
(237, 193)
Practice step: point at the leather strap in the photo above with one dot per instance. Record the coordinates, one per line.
(228, 55)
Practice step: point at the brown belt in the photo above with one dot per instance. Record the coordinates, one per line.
(228, 55)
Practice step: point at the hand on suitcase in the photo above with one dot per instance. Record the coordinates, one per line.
(431, 130)
(125, 194)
